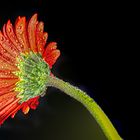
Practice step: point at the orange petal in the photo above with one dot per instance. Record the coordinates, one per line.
(7, 108)
(5, 98)
(25, 108)
(51, 46)
(6, 56)
(7, 74)
(10, 109)
(12, 36)
(52, 57)
(5, 65)
(4, 31)
(32, 33)
(41, 37)
(21, 33)
(9, 41)
(7, 89)
(7, 45)
(7, 82)
(51, 54)
(33, 103)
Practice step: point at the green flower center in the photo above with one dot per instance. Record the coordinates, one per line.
(33, 73)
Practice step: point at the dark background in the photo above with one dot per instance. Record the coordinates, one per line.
(93, 39)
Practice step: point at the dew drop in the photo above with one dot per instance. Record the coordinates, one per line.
(20, 27)
(44, 37)
(9, 30)
(41, 30)
(4, 51)
(8, 41)
(21, 46)
(2, 38)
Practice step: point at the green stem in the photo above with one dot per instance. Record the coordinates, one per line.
(103, 121)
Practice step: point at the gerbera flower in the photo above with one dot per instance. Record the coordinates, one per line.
(25, 73)
(25, 63)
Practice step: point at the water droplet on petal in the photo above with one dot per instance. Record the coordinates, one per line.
(21, 46)
(9, 29)
(2, 38)
(20, 27)
(8, 41)
(41, 30)
(4, 51)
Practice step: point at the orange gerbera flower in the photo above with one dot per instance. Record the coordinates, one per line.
(25, 63)
(25, 73)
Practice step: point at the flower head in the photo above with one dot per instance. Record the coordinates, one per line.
(25, 63)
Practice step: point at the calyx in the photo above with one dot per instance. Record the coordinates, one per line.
(33, 73)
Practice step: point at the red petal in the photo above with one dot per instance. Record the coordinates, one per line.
(9, 105)
(4, 98)
(8, 46)
(7, 74)
(51, 54)
(9, 110)
(9, 40)
(4, 31)
(5, 65)
(33, 102)
(7, 89)
(51, 46)
(51, 59)
(25, 108)
(32, 32)
(6, 56)
(21, 33)
(7, 82)
(41, 37)
(12, 36)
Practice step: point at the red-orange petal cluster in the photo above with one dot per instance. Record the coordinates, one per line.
(23, 37)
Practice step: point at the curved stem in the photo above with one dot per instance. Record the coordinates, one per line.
(103, 121)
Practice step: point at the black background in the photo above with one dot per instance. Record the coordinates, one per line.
(93, 40)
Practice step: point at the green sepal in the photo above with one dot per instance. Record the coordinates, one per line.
(33, 74)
